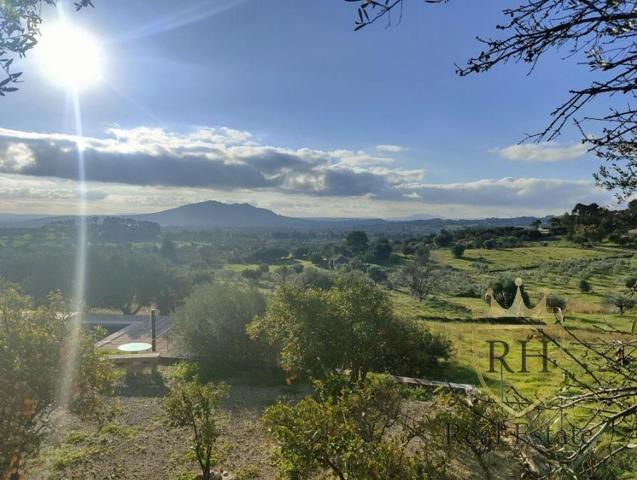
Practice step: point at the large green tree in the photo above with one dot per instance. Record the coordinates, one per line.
(350, 326)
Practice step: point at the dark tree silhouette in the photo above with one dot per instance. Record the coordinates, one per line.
(600, 34)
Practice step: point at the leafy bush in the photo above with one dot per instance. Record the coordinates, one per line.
(377, 275)
(620, 302)
(314, 278)
(357, 240)
(251, 274)
(458, 250)
(211, 325)
(555, 301)
(342, 434)
(631, 282)
(33, 358)
(380, 250)
(350, 326)
(584, 286)
(504, 291)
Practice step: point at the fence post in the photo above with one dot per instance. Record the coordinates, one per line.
(153, 330)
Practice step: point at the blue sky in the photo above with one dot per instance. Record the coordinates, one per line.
(295, 104)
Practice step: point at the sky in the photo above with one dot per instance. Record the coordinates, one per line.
(282, 105)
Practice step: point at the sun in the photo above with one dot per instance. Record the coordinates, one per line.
(70, 56)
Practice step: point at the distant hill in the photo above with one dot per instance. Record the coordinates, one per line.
(212, 214)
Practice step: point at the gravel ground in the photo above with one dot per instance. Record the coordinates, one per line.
(136, 444)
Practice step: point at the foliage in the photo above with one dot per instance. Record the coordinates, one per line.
(351, 326)
(380, 250)
(620, 302)
(195, 405)
(584, 286)
(420, 278)
(555, 301)
(314, 278)
(127, 281)
(457, 250)
(168, 249)
(504, 291)
(33, 353)
(344, 435)
(377, 274)
(212, 326)
(19, 29)
(473, 424)
(357, 240)
(443, 239)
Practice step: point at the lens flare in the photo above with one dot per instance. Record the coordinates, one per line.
(69, 56)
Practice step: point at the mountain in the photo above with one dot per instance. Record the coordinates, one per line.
(411, 218)
(212, 214)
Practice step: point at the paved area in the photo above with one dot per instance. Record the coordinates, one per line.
(135, 328)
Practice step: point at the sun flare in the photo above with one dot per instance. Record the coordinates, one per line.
(70, 56)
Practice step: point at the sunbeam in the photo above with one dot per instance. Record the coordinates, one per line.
(195, 13)
(72, 59)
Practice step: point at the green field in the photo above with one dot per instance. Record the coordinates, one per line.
(462, 319)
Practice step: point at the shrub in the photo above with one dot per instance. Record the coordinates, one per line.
(555, 301)
(194, 405)
(350, 326)
(458, 250)
(631, 282)
(33, 341)
(504, 291)
(357, 240)
(489, 244)
(341, 434)
(377, 275)
(620, 302)
(584, 286)
(314, 278)
(380, 250)
(316, 258)
(251, 274)
(211, 325)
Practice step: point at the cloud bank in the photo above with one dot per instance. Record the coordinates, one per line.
(228, 163)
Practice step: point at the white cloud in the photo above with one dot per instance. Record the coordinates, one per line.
(150, 169)
(390, 148)
(542, 152)
(530, 193)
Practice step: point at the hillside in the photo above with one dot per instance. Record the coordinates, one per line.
(213, 214)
